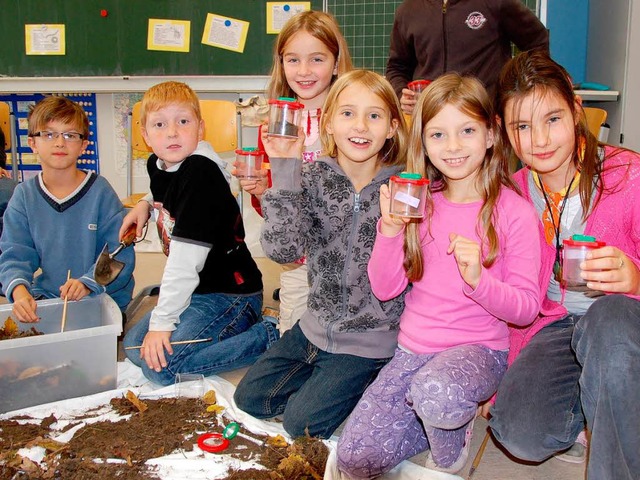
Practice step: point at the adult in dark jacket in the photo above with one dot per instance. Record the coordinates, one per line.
(431, 37)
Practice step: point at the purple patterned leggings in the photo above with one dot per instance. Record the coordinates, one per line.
(416, 403)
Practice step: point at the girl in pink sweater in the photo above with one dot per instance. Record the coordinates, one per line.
(580, 360)
(470, 267)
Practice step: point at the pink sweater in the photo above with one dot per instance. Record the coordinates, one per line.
(615, 220)
(441, 310)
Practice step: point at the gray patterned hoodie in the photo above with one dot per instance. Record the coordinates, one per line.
(313, 210)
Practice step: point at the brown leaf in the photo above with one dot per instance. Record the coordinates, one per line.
(10, 327)
(210, 398)
(139, 404)
(277, 441)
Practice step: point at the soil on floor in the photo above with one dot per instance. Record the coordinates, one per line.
(153, 429)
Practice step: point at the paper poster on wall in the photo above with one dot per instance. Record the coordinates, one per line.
(168, 35)
(225, 32)
(279, 12)
(44, 39)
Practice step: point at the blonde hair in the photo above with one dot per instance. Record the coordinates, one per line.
(468, 95)
(57, 109)
(168, 93)
(394, 150)
(320, 25)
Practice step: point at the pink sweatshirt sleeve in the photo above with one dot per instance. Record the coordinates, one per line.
(515, 298)
(386, 271)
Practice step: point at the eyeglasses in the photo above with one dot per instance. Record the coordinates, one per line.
(67, 136)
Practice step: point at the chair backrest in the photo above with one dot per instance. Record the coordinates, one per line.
(220, 126)
(4, 124)
(595, 118)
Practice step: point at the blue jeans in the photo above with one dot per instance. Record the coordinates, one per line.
(573, 370)
(239, 335)
(315, 390)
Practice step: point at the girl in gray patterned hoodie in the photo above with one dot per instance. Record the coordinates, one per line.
(315, 374)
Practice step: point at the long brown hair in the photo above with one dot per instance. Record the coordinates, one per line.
(394, 150)
(534, 73)
(468, 95)
(320, 25)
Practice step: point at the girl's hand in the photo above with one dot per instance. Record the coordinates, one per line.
(468, 256)
(390, 225)
(283, 147)
(254, 186)
(608, 269)
(24, 305)
(408, 101)
(153, 347)
(138, 215)
(74, 289)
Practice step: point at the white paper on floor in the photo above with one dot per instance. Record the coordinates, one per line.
(194, 465)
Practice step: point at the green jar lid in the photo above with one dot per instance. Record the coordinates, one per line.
(583, 238)
(287, 99)
(249, 149)
(412, 176)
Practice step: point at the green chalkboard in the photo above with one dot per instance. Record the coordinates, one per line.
(116, 44)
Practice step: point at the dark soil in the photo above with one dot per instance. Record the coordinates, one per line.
(166, 425)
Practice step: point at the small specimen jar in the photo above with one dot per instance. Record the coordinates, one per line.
(248, 162)
(284, 117)
(408, 194)
(418, 85)
(574, 252)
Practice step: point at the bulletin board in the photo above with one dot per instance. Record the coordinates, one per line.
(109, 38)
(28, 165)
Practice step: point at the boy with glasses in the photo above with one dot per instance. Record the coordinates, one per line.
(60, 220)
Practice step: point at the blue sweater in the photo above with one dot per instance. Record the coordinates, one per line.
(41, 233)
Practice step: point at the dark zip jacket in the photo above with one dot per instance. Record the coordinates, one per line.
(430, 38)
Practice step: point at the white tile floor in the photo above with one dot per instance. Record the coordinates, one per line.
(495, 464)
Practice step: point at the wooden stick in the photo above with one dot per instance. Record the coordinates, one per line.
(181, 342)
(478, 457)
(64, 308)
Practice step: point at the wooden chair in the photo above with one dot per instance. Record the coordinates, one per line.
(595, 118)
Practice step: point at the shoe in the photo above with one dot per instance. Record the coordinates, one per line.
(459, 464)
(578, 452)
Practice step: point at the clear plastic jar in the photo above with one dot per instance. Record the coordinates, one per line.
(408, 195)
(249, 162)
(284, 117)
(574, 252)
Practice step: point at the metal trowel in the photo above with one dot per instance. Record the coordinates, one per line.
(107, 267)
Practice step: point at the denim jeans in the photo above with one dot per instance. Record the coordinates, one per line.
(589, 364)
(313, 389)
(234, 323)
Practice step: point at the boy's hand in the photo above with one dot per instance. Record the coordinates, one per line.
(467, 254)
(390, 225)
(283, 147)
(608, 269)
(24, 305)
(408, 101)
(74, 290)
(138, 215)
(153, 347)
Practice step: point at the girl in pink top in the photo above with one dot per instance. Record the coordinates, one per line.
(470, 267)
(580, 359)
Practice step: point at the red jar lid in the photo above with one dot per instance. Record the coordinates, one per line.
(412, 178)
(212, 442)
(250, 151)
(286, 102)
(583, 241)
(419, 83)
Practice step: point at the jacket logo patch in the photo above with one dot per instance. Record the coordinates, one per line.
(475, 20)
(93, 226)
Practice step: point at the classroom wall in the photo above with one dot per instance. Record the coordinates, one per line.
(568, 24)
